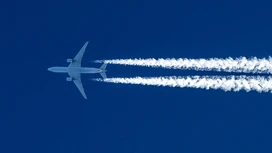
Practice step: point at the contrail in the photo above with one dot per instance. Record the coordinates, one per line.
(226, 83)
(241, 64)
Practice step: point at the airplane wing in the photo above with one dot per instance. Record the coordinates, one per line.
(77, 60)
(80, 87)
(77, 76)
(77, 80)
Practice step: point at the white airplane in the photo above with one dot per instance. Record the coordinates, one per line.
(74, 70)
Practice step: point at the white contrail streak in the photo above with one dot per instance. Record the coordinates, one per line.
(241, 64)
(226, 83)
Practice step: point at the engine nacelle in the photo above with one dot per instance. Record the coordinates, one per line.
(69, 79)
(69, 60)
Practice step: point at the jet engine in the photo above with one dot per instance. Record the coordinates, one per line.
(69, 79)
(69, 60)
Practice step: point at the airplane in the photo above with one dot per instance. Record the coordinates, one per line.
(75, 70)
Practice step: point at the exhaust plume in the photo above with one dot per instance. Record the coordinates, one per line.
(241, 64)
(226, 83)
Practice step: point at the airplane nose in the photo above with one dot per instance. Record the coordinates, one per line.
(49, 69)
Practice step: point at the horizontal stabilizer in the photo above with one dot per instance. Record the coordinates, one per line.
(103, 74)
(103, 67)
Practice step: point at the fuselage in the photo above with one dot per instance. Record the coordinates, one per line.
(74, 70)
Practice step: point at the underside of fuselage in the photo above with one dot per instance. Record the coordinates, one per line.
(74, 70)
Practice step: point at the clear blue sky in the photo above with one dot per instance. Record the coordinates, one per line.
(42, 113)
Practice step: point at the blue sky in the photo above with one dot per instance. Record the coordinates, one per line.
(41, 112)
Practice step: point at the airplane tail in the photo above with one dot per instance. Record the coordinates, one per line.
(103, 74)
